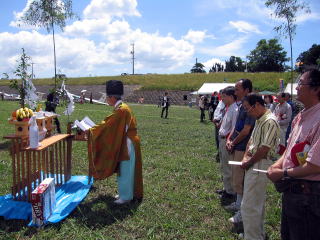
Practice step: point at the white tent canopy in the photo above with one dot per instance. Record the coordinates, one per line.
(288, 89)
(209, 88)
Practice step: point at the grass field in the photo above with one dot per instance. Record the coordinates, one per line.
(180, 179)
(190, 82)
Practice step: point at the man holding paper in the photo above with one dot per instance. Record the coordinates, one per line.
(261, 149)
(115, 147)
(236, 144)
(227, 124)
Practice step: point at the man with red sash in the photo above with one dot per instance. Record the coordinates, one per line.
(115, 147)
(297, 173)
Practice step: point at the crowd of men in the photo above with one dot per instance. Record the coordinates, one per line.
(263, 141)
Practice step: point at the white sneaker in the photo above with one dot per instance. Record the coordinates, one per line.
(241, 236)
(233, 207)
(116, 196)
(236, 218)
(121, 201)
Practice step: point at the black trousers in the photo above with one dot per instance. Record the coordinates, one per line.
(216, 135)
(56, 121)
(164, 109)
(300, 219)
(202, 115)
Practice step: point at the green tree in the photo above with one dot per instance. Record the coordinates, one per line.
(198, 68)
(311, 57)
(287, 10)
(216, 67)
(235, 64)
(268, 56)
(22, 73)
(5, 76)
(48, 13)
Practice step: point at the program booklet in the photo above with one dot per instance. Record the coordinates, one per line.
(84, 124)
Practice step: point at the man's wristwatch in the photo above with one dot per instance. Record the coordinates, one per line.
(285, 173)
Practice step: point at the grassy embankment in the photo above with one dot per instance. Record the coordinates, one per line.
(261, 81)
(180, 177)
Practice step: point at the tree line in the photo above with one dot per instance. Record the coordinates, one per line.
(268, 56)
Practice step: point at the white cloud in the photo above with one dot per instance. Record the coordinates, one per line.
(110, 8)
(208, 64)
(245, 27)
(18, 15)
(99, 44)
(307, 17)
(252, 9)
(197, 36)
(78, 56)
(233, 48)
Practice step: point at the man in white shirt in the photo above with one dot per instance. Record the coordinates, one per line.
(283, 112)
(227, 124)
(217, 118)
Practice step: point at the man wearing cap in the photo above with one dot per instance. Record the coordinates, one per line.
(297, 173)
(115, 147)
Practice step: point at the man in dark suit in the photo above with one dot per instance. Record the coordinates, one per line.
(51, 104)
(165, 103)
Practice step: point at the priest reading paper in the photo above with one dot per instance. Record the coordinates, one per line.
(114, 146)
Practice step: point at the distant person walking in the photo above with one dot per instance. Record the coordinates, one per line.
(202, 107)
(165, 103)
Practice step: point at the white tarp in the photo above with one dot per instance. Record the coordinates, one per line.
(209, 88)
(288, 89)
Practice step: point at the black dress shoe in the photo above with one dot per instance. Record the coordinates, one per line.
(221, 191)
(226, 199)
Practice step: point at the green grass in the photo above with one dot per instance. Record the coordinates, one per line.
(180, 177)
(261, 81)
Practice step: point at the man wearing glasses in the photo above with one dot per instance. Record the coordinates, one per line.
(297, 172)
(260, 151)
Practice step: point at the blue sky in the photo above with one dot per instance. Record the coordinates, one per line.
(168, 35)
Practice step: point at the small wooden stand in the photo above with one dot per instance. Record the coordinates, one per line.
(83, 137)
(21, 127)
(31, 166)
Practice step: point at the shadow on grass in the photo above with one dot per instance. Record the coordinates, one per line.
(4, 146)
(101, 211)
(13, 225)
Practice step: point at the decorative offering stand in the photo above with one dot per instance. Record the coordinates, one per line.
(31, 166)
(22, 127)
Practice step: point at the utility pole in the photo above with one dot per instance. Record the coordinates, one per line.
(133, 58)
